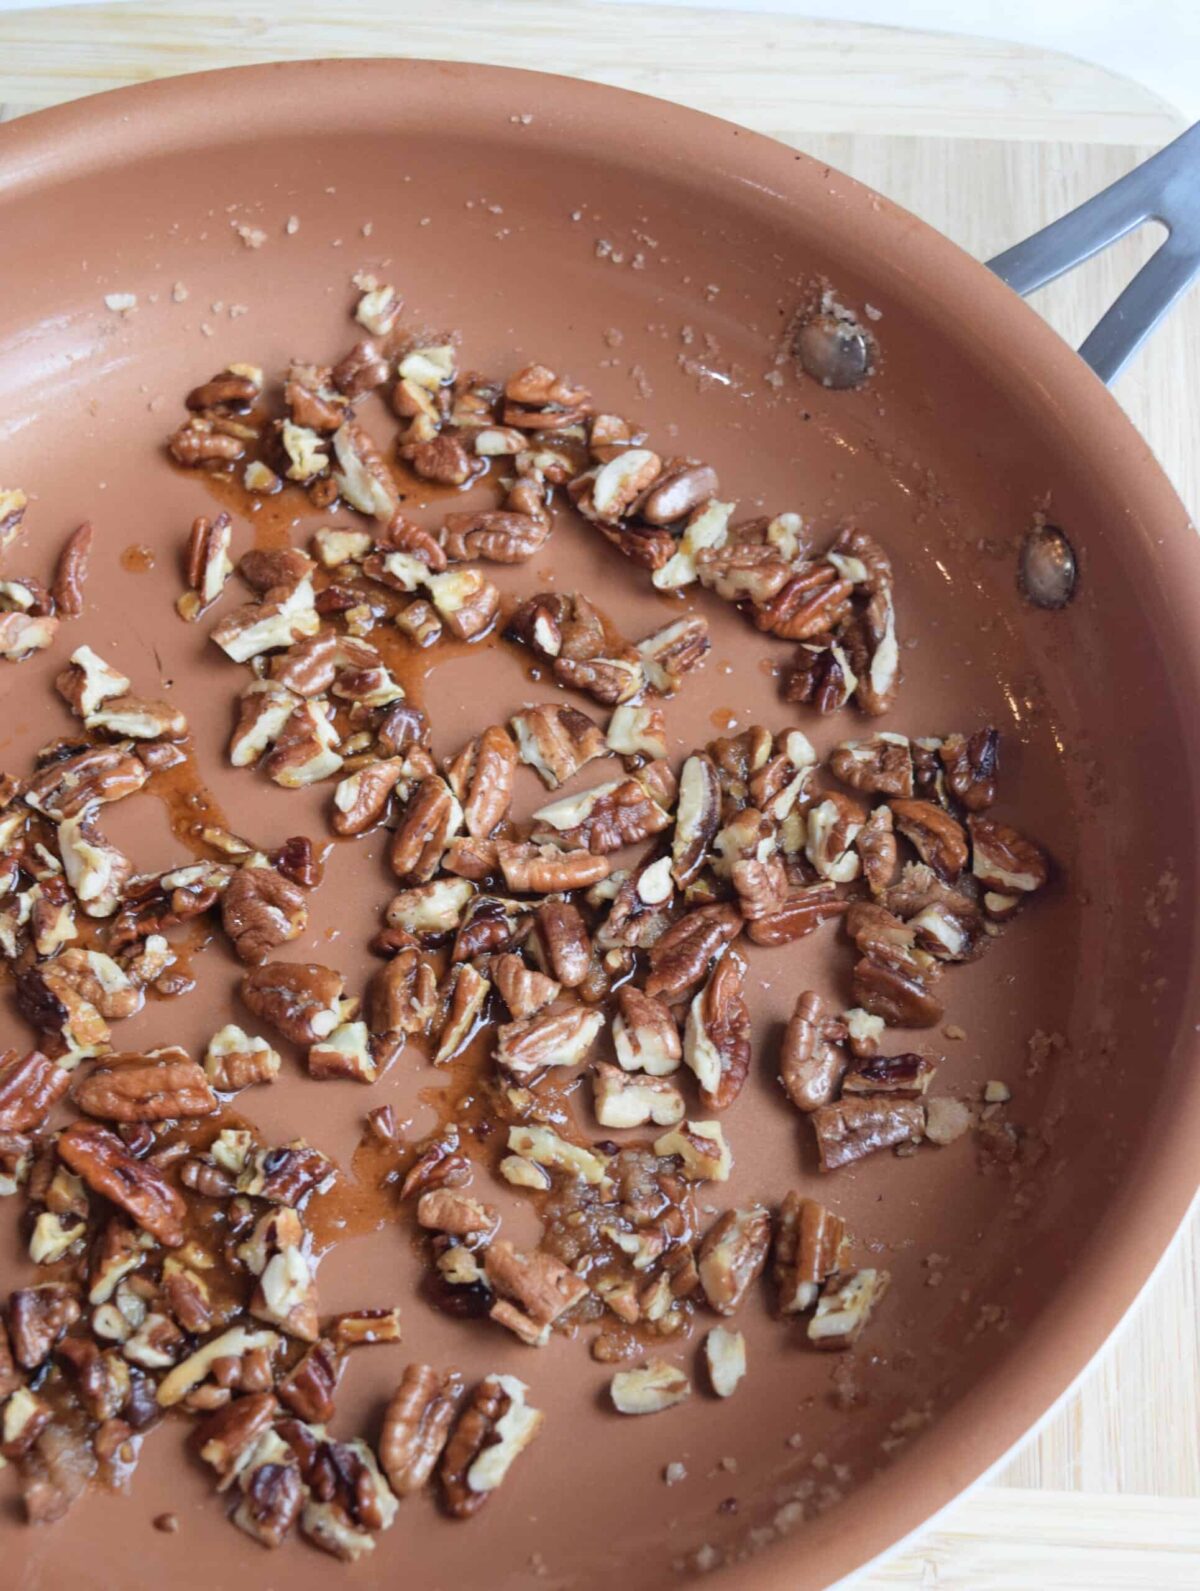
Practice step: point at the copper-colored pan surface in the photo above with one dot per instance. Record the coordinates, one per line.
(657, 255)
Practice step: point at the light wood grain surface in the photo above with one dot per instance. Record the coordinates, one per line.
(987, 141)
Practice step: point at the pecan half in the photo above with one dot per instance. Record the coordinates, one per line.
(431, 817)
(1003, 860)
(461, 1001)
(697, 817)
(482, 777)
(260, 910)
(496, 535)
(670, 654)
(811, 1061)
(102, 1160)
(308, 1388)
(810, 1245)
(523, 990)
(37, 1318)
(732, 1255)
(157, 1086)
(527, 1048)
(937, 838)
(299, 999)
(556, 741)
(362, 798)
(494, 1427)
(605, 818)
(402, 995)
(561, 942)
(70, 572)
(716, 1039)
(854, 1128)
(972, 766)
(66, 787)
(876, 846)
(644, 1034)
(416, 1425)
(880, 765)
(30, 1086)
(680, 959)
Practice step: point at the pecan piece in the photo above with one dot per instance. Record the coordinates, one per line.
(482, 777)
(635, 1099)
(972, 766)
(899, 1076)
(260, 910)
(402, 995)
(716, 1040)
(305, 749)
(495, 1426)
(347, 1052)
(430, 819)
(273, 571)
(561, 942)
(1003, 860)
(810, 1246)
(880, 765)
(22, 634)
(649, 1389)
(680, 959)
(605, 818)
(70, 572)
(140, 1189)
(308, 1388)
(431, 911)
(732, 1255)
(845, 1306)
(461, 1001)
(542, 1287)
(644, 1034)
(362, 477)
(527, 1048)
(299, 999)
(937, 838)
(88, 681)
(670, 654)
(30, 1087)
(900, 997)
(608, 680)
(361, 799)
(700, 1146)
(854, 1128)
(533, 869)
(876, 846)
(697, 817)
(416, 1425)
(157, 1086)
(37, 1318)
(66, 787)
(227, 1438)
(466, 601)
(811, 1061)
(523, 990)
(556, 741)
(285, 614)
(497, 536)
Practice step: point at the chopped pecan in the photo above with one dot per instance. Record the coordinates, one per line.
(275, 570)
(226, 1439)
(70, 572)
(22, 634)
(716, 1040)
(644, 1034)
(972, 766)
(876, 846)
(810, 1246)
(461, 1001)
(200, 440)
(845, 1306)
(609, 680)
(207, 564)
(443, 1210)
(431, 911)
(537, 399)
(606, 818)
(534, 869)
(67, 786)
(632, 1099)
(234, 1060)
(811, 1061)
(833, 826)
(725, 1356)
(443, 458)
(495, 1426)
(102, 1160)
(853, 1128)
(523, 990)
(88, 681)
(637, 732)
(233, 390)
(670, 654)
(680, 959)
(305, 749)
(438, 1165)
(703, 1154)
(541, 1285)
(482, 777)
(308, 1388)
(416, 1425)
(361, 799)
(156, 1086)
(1003, 860)
(37, 1318)
(96, 871)
(946, 1120)
(561, 942)
(30, 1086)
(264, 708)
(347, 1052)
(496, 535)
(697, 817)
(900, 1076)
(403, 731)
(527, 1048)
(431, 817)
(260, 910)
(937, 838)
(299, 999)
(870, 634)
(362, 477)
(880, 765)
(649, 1389)
(556, 741)
(900, 997)
(402, 995)
(419, 621)
(466, 600)
(284, 615)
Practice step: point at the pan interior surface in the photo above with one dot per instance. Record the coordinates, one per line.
(661, 259)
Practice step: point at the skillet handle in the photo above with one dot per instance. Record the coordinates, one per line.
(1164, 188)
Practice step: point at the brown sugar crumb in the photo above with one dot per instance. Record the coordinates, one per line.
(167, 1523)
(1044, 1047)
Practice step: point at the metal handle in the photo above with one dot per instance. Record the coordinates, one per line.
(1164, 188)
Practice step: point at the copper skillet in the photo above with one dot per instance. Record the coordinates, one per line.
(603, 231)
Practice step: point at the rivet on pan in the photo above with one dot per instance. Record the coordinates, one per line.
(1048, 570)
(835, 352)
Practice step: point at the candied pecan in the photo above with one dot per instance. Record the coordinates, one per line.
(876, 846)
(207, 564)
(460, 1004)
(542, 1286)
(697, 817)
(431, 911)
(496, 535)
(901, 998)
(157, 1086)
(482, 777)
(644, 1033)
(265, 569)
(473, 859)
(402, 995)
(309, 666)
(67, 786)
(402, 729)
(416, 1424)
(556, 741)
(30, 1087)
(845, 1306)
(495, 1425)
(900, 1076)
(360, 371)
(833, 825)
(673, 652)
(628, 1099)
(856, 1127)
(561, 942)
(972, 766)
(299, 999)
(308, 1388)
(362, 477)
(523, 990)
(870, 634)
(533, 869)
(443, 458)
(1003, 860)
(526, 1048)
(71, 571)
(820, 675)
(466, 601)
(880, 765)
(419, 621)
(347, 1052)
(812, 602)
(260, 910)
(680, 959)
(811, 1061)
(438, 1165)
(732, 1255)
(716, 1040)
(305, 749)
(431, 817)
(226, 1438)
(937, 838)
(228, 392)
(608, 680)
(810, 1245)
(606, 818)
(362, 798)
(102, 1160)
(37, 1318)
(442, 1210)
(199, 440)
(272, 1498)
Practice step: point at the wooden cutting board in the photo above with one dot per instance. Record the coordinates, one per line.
(987, 141)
